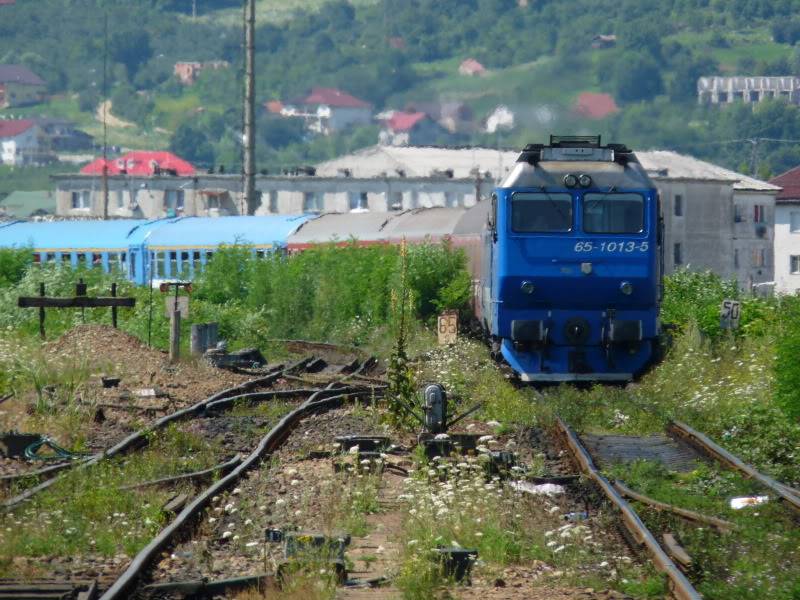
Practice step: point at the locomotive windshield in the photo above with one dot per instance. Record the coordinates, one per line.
(613, 213)
(533, 212)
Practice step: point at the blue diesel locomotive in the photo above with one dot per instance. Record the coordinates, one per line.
(572, 264)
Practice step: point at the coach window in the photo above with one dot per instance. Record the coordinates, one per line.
(535, 212)
(613, 213)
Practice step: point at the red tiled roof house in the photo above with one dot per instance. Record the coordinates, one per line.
(411, 129)
(19, 142)
(328, 110)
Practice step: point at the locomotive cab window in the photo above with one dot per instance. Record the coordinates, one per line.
(613, 213)
(536, 212)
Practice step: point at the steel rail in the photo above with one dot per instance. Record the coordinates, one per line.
(141, 437)
(680, 586)
(268, 444)
(720, 525)
(718, 453)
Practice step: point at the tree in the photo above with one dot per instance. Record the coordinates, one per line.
(130, 48)
(686, 71)
(637, 77)
(192, 144)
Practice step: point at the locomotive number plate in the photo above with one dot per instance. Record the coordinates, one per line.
(620, 247)
(448, 327)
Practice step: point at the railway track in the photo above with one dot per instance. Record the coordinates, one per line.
(213, 410)
(667, 555)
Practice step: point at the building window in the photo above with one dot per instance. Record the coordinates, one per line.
(359, 201)
(759, 257)
(311, 202)
(677, 254)
(273, 201)
(173, 200)
(723, 96)
(794, 222)
(735, 258)
(758, 213)
(794, 265)
(397, 201)
(753, 96)
(81, 200)
(737, 213)
(678, 205)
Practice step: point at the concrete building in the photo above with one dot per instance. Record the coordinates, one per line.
(787, 232)
(19, 86)
(188, 72)
(714, 218)
(19, 142)
(722, 90)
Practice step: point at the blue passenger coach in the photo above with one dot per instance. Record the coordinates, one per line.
(572, 264)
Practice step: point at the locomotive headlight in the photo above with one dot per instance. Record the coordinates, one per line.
(585, 180)
(570, 180)
(527, 287)
(626, 287)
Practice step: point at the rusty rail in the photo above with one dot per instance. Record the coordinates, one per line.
(705, 445)
(680, 586)
(690, 515)
(269, 443)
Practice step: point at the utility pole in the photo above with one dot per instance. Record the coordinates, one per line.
(250, 107)
(105, 110)
(194, 10)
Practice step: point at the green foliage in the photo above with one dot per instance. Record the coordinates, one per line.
(696, 297)
(787, 365)
(13, 264)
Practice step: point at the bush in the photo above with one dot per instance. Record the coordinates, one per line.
(13, 264)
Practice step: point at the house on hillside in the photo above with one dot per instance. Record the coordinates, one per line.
(501, 117)
(328, 110)
(20, 143)
(19, 86)
(471, 68)
(725, 90)
(411, 129)
(594, 106)
(188, 72)
(59, 135)
(603, 41)
(455, 117)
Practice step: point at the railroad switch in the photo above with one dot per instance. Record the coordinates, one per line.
(302, 550)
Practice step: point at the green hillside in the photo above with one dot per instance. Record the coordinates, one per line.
(539, 55)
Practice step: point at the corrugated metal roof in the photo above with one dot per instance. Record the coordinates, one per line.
(423, 222)
(330, 227)
(66, 235)
(212, 231)
(665, 165)
(419, 161)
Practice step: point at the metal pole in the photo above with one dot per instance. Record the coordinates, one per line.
(41, 312)
(249, 108)
(105, 110)
(175, 336)
(114, 308)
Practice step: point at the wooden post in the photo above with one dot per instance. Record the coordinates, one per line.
(114, 308)
(174, 336)
(41, 312)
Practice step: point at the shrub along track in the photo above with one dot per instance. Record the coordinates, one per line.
(209, 418)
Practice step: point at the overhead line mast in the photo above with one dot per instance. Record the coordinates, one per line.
(249, 108)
